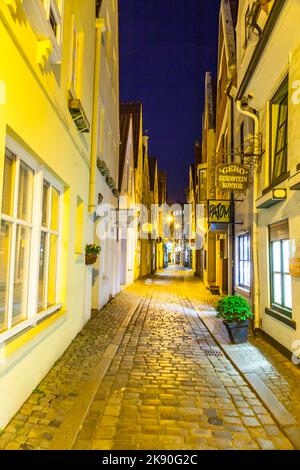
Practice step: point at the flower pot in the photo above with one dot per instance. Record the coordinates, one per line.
(237, 331)
(90, 259)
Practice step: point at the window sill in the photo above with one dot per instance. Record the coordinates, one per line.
(281, 317)
(31, 327)
(243, 291)
(79, 258)
(276, 181)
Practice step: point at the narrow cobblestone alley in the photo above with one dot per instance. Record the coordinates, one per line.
(160, 382)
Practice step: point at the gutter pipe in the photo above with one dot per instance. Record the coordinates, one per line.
(256, 296)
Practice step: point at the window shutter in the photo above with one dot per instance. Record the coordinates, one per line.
(279, 231)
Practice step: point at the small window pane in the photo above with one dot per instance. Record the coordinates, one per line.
(5, 240)
(45, 204)
(52, 270)
(286, 256)
(247, 274)
(25, 192)
(21, 275)
(276, 252)
(287, 291)
(55, 209)
(277, 299)
(42, 274)
(7, 191)
(242, 273)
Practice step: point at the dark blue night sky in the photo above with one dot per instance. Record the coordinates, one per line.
(166, 46)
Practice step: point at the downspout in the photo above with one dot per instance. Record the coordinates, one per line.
(96, 98)
(256, 300)
(232, 225)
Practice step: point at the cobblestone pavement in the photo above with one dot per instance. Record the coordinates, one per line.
(169, 386)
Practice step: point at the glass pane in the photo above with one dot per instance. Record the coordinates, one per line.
(247, 274)
(276, 253)
(42, 273)
(7, 191)
(21, 274)
(5, 234)
(55, 209)
(281, 138)
(246, 248)
(241, 248)
(286, 256)
(288, 291)
(241, 273)
(25, 192)
(45, 204)
(52, 270)
(277, 289)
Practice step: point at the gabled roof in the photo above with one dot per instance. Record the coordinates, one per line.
(135, 110)
(152, 169)
(124, 132)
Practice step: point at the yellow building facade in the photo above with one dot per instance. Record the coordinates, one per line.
(47, 51)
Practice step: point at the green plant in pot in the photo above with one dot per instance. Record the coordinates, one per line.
(91, 254)
(235, 313)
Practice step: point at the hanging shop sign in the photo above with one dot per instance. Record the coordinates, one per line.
(233, 177)
(219, 211)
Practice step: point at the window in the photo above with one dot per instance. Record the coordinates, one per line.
(53, 9)
(46, 19)
(79, 226)
(74, 68)
(281, 288)
(49, 242)
(279, 128)
(244, 261)
(29, 243)
(247, 31)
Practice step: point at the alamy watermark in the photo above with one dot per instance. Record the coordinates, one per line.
(177, 222)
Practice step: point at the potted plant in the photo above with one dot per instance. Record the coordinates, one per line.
(91, 254)
(235, 313)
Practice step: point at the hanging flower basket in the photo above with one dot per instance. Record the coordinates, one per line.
(91, 254)
(90, 259)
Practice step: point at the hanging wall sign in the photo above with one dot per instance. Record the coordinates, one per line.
(219, 211)
(233, 177)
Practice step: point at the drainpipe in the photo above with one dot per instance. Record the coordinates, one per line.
(100, 27)
(256, 299)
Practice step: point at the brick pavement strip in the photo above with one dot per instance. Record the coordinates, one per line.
(168, 386)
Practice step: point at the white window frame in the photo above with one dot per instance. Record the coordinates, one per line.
(244, 261)
(38, 13)
(74, 60)
(40, 174)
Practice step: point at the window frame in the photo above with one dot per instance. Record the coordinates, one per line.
(240, 237)
(281, 308)
(40, 173)
(275, 153)
(39, 13)
(74, 60)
